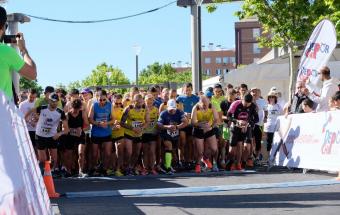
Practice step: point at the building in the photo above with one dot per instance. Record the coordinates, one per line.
(246, 45)
(217, 62)
(214, 62)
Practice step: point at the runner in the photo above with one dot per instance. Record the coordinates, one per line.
(77, 122)
(45, 100)
(149, 137)
(188, 100)
(243, 89)
(170, 121)
(135, 119)
(157, 100)
(204, 119)
(118, 135)
(46, 131)
(243, 115)
(258, 128)
(225, 105)
(101, 118)
(31, 121)
(216, 101)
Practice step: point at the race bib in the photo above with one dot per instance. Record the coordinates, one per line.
(173, 133)
(46, 131)
(75, 132)
(136, 124)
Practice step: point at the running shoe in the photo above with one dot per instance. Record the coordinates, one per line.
(109, 172)
(207, 163)
(198, 168)
(169, 171)
(118, 173)
(250, 163)
(154, 172)
(143, 172)
(215, 168)
(82, 175)
(239, 167)
(223, 165)
(233, 167)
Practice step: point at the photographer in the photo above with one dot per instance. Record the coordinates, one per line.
(10, 59)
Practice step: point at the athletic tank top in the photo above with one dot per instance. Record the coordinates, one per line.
(153, 115)
(135, 119)
(117, 115)
(101, 114)
(75, 123)
(205, 115)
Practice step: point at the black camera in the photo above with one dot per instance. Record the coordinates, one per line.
(10, 38)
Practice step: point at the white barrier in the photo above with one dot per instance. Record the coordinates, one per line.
(310, 140)
(22, 190)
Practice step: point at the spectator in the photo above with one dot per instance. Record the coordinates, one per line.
(329, 88)
(307, 106)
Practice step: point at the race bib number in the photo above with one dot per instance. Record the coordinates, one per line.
(136, 124)
(46, 131)
(75, 132)
(173, 133)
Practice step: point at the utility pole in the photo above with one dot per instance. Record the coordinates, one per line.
(13, 22)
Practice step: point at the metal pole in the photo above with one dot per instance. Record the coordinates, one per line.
(195, 48)
(137, 70)
(200, 84)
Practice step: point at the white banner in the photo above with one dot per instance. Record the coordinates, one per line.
(318, 50)
(22, 190)
(309, 140)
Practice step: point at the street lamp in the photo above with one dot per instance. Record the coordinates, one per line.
(137, 50)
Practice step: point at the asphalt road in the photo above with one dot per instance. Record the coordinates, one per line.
(292, 200)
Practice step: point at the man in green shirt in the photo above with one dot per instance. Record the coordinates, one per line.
(10, 60)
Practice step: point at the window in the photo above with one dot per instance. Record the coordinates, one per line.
(256, 32)
(225, 60)
(218, 71)
(232, 59)
(207, 72)
(218, 60)
(207, 60)
(256, 48)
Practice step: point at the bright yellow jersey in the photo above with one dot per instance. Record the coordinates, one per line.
(117, 115)
(153, 114)
(205, 115)
(135, 118)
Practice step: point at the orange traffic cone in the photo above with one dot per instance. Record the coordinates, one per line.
(49, 181)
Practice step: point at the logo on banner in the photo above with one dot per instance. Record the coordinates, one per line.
(314, 48)
(330, 137)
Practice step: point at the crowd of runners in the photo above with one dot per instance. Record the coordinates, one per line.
(156, 131)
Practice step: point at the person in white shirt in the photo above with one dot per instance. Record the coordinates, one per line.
(32, 120)
(329, 88)
(274, 111)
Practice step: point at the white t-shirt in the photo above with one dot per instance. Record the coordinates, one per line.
(48, 121)
(274, 111)
(24, 107)
(262, 106)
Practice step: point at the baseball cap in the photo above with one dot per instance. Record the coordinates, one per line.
(54, 97)
(254, 88)
(208, 94)
(49, 89)
(172, 104)
(273, 89)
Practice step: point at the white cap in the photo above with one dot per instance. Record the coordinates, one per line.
(172, 104)
(273, 89)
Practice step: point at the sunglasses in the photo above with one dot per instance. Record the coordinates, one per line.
(102, 100)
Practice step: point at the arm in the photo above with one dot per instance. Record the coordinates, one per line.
(91, 116)
(33, 110)
(184, 123)
(216, 117)
(85, 120)
(124, 118)
(147, 119)
(194, 120)
(29, 69)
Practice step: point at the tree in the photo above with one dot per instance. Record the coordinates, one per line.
(26, 84)
(60, 86)
(288, 22)
(157, 73)
(74, 85)
(105, 75)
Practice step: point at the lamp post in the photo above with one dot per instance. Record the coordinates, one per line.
(137, 49)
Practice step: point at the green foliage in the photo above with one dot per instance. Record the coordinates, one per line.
(74, 85)
(60, 86)
(289, 22)
(105, 75)
(26, 84)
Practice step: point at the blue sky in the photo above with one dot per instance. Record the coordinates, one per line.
(69, 52)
